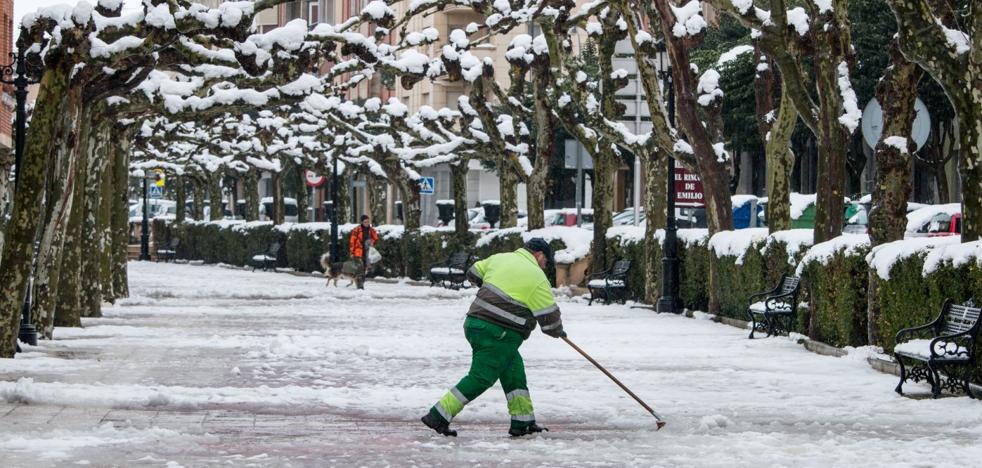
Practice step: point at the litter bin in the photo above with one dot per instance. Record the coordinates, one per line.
(492, 212)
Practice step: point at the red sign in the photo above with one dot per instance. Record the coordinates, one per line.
(688, 188)
(314, 180)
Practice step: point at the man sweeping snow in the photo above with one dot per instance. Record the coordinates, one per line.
(515, 295)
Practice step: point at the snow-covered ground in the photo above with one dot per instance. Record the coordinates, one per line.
(210, 366)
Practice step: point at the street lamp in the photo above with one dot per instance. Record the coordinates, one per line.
(145, 231)
(16, 74)
(335, 245)
(668, 302)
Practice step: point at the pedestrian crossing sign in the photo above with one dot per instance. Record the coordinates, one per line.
(155, 192)
(426, 186)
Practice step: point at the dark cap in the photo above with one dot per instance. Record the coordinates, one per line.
(538, 244)
(364, 217)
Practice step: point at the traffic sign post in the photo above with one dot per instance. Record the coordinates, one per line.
(427, 186)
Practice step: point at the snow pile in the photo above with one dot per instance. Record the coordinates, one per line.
(800, 203)
(688, 19)
(851, 114)
(486, 239)
(736, 243)
(693, 237)
(576, 240)
(626, 234)
(898, 142)
(956, 39)
(732, 54)
(954, 255)
(708, 88)
(798, 18)
(794, 241)
(918, 218)
(740, 200)
(883, 257)
(846, 244)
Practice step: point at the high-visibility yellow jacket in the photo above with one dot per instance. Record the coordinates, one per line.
(515, 294)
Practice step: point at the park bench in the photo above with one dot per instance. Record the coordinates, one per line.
(451, 273)
(168, 253)
(774, 311)
(610, 284)
(946, 344)
(267, 259)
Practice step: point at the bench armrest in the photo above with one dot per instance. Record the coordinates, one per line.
(956, 345)
(599, 275)
(912, 332)
(761, 295)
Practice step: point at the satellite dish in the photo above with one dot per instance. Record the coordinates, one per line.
(873, 123)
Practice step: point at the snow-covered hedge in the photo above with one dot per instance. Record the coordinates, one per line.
(236, 242)
(837, 277)
(915, 276)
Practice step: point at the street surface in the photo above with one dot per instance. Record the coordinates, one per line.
(209, 366)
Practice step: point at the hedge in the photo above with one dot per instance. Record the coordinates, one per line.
(301, 245)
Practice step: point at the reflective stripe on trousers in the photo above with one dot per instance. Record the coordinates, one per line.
(520, 405)
(451, 404)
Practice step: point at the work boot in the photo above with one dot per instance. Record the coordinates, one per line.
(439, 426)
(530, 429)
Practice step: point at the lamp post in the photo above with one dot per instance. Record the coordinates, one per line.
(668, 302)
(335, 245)
(16, 74)
(145, 231)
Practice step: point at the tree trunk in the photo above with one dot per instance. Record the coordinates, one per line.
(251, 195)
(302, 199)
(18, 249)
(605, 165)
(60, 182)
(545, 129)
(780, 164)
(458, 171)
(198, 194)
(410, 203)
(896, 91)
(344, 197)
(277, 216)
(215, 211)
(121, 218)
(509, 194)
(90, 296)
(6, 190)
(180, 192)
(656, 191)
(68, 309)
(376, 188)
(105, 225)
(970, 165)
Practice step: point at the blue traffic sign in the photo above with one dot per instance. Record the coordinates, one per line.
(155, 192)
(426, 186)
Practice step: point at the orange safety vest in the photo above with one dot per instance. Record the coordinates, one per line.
(357, 240)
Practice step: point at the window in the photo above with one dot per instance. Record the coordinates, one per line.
(354, 7)
(313, 13)
(267, 28)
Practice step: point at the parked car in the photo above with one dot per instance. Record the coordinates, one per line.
(935, 221)
(567, 217)
(159, 208)
(477, 221)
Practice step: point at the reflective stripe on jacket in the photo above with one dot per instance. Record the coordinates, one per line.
(515, 294)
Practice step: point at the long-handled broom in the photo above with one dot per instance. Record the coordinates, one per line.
(659, 422)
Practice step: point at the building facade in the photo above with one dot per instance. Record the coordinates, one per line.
(7, 101)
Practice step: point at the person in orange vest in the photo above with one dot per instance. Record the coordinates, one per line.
(363, 237)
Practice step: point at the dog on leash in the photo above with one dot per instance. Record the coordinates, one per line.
(334, 271)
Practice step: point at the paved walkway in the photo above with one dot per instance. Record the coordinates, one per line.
(206, 366)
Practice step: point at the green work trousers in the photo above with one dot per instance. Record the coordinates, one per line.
(494, 357)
